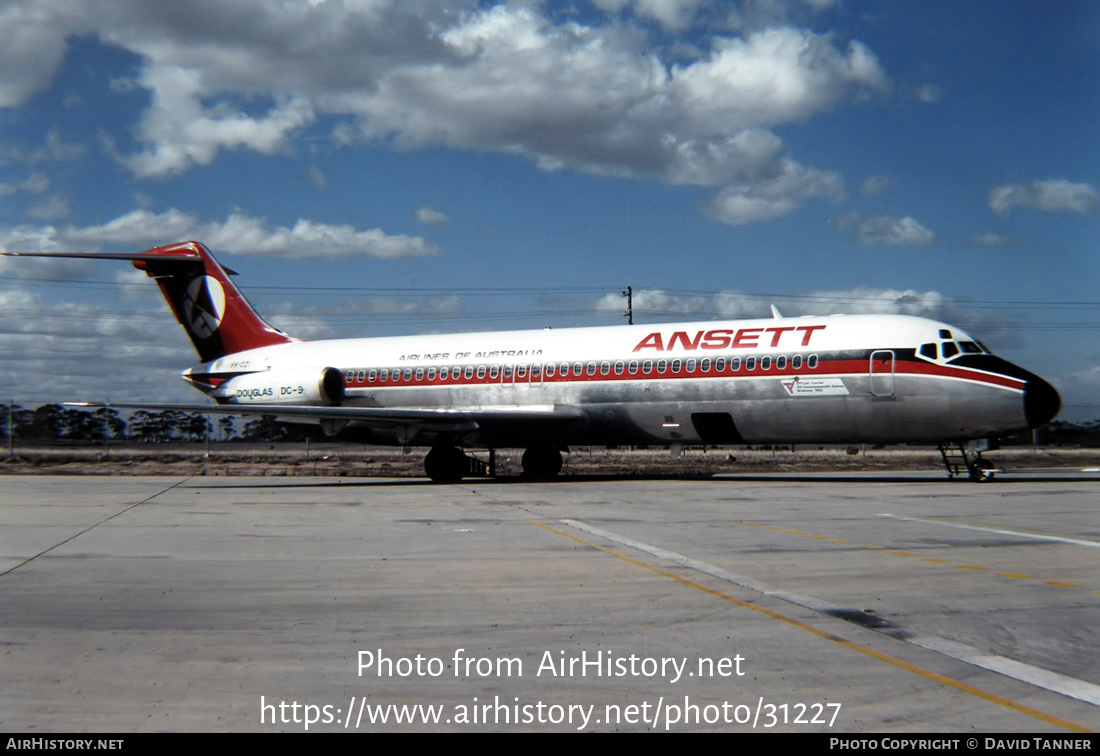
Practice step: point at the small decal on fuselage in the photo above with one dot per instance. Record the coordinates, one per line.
(814, 387)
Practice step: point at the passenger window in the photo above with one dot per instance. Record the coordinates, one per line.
(676, 365)
(362, 376)
(750, 363)
(494, 371)
(720, 364)
(577, 369)
(480, 372)
(662, 366)
(704, 366)
(420, 374)
(690, 366)
(469, 372)
(408, 374)
(619, 368)
(444, 373)
(796, 362)
(811, 362)
(647, 367)
(781, 363)
(536, 371)
(735, 364)
(605, 368)
(350, 377)
(765, 363)
(591, 369)
(633, 367)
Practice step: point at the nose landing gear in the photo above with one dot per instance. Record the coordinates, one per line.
(959, 457)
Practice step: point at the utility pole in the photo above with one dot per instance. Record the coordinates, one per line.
(629, 294)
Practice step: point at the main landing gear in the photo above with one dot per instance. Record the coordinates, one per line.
(541, 463)
(449, 464)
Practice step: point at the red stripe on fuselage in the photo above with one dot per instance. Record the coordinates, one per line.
(859, 367)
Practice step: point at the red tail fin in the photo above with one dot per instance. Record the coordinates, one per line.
(207, 304)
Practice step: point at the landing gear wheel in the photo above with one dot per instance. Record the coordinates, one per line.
(445, 464)
(541, 463)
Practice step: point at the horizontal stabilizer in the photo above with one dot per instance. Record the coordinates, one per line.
(368, 415)
(185, 257)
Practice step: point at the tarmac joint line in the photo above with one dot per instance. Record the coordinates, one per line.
(94, 525)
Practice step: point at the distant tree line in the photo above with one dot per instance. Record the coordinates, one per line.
(1060, 433)
(56, 423)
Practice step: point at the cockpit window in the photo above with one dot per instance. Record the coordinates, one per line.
(945, 334)
(928, 351)
(969, 347)
(949, 349)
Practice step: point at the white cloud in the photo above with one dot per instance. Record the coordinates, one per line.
(47, 345)
(182, 132)
(1054, 195)
(876, 185)
(657, 303)
(239, 234)
(884, 229)
(36, 183)
(32, 46)
(775, 196)
(672, 14)
(431, 217)
(928, 93)
(53, 207)
(53, 149)
(505, 78)
(990, 240)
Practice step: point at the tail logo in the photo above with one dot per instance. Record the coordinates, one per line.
(203, 306)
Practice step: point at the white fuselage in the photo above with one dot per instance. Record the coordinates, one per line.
(856, 378)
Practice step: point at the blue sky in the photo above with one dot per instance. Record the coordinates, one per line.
(377, 168)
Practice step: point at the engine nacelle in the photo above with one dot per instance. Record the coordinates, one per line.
(295, 386)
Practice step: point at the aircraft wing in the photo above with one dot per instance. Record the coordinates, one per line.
(432, 420)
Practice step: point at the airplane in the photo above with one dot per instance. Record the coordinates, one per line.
(838, 379)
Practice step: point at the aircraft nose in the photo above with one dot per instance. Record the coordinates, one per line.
(1041, 402)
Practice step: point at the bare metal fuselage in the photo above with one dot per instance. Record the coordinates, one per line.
(845, 379)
